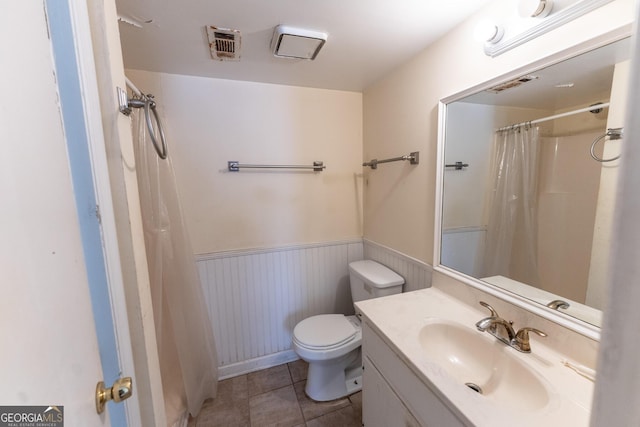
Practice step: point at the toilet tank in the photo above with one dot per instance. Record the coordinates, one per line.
(370, 279)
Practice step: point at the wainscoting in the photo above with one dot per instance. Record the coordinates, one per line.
(417, 274)
(256, 297)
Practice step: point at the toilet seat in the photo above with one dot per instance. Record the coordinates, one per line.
(324, 332)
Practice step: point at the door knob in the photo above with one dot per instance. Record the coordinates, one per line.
(122, 389)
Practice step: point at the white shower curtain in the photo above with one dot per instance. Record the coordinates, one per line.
(188, 360)
(510, 246)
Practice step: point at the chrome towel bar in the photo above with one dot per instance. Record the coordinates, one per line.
(413, 157)
(235, 166)
(457, 165)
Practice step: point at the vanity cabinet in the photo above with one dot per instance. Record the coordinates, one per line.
(383, 406)
(393, 395)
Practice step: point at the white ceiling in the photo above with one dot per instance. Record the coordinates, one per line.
(367, 38)
(591, 74)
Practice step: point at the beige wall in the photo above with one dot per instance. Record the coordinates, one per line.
(211, 121)
(600, 258)
(400, 115)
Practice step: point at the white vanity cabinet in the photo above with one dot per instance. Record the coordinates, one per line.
(393, 395)
(383, 406)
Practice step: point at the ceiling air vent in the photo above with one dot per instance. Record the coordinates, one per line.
(512, 83)
(224, 43)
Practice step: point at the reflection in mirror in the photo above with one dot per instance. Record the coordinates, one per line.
(526, 206)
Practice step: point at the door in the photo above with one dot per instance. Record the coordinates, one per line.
(50, 350)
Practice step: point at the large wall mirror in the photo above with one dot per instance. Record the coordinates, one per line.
(527, 190)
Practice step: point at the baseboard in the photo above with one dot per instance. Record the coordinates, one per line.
(252, 365)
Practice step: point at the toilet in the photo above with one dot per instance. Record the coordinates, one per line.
(330, 343)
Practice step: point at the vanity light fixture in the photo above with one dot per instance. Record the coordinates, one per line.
(534, 8)
(289, 42)
(488, 32)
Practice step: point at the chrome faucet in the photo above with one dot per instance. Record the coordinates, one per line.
(498, 327)
(504, 332)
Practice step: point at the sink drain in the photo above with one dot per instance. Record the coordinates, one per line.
(474, 387)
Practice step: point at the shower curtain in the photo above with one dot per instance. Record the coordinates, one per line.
(188, 360)
(510, 245)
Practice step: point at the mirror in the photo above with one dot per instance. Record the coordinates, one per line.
(525, 205)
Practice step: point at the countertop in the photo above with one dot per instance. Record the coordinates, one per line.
(398, 320)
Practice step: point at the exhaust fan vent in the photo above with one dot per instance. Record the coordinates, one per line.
(512, 83)
(298, 43)
(224, 43)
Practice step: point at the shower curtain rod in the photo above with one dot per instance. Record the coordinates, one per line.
(133, 87)
(557, 116)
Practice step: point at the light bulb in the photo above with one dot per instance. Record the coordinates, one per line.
(534, 8)
(488, 32)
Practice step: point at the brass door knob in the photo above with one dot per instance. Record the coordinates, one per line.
(122, 389)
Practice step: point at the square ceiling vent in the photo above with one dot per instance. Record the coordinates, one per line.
(224, 43)
(289, 42)
(512, 83)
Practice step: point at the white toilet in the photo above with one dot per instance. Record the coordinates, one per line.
(330, 343)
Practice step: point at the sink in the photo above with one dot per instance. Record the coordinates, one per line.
(483, 364)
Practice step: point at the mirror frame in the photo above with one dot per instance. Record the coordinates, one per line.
(572, 323)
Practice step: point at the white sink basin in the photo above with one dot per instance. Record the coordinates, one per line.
(477, 358)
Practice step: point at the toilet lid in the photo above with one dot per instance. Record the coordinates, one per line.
(325, 330)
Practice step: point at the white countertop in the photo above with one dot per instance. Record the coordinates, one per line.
(398, 320)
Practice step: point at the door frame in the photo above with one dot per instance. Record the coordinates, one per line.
(111, 321)
(125, 316)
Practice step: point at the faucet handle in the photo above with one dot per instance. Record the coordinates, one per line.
(491, 309)
(522, 339)
(493, 329)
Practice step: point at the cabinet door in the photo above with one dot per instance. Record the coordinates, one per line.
(381, 407)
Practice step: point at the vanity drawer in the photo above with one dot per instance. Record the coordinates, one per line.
(423, 404)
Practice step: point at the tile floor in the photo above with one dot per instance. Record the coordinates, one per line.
(275, 397)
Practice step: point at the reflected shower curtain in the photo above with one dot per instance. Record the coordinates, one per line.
(188, 360)
(510, 245)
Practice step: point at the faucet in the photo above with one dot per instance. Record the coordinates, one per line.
(521, 341)
(504, 332)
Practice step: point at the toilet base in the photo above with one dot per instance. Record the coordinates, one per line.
(339, 378)
(353, 380)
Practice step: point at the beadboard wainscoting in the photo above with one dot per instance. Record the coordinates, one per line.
(417, 274)
(256, 297)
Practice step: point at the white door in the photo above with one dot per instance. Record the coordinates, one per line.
(49, 354)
